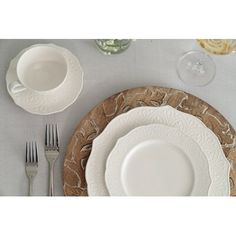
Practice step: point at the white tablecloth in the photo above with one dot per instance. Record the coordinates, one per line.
(146, 62)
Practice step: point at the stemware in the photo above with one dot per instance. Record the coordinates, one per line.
(218, 46)
(197, 68)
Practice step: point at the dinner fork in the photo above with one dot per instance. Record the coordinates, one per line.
(31, 163)
(51, 152)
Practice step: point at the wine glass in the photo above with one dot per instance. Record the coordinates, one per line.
(196, 67)
(218, 46)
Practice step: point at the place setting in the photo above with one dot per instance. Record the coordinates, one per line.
(142, 141)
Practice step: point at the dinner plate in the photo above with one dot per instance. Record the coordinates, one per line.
(157, 160)
(191, 126)
(55, 101)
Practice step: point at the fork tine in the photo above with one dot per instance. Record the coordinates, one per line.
(33, 151)
(46, 135)
(57, 142)
(49, 135)
(30, 152)
(32, 146)
(53, 134)
(36, 152)
(26, 152)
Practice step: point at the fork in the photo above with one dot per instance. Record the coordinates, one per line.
(31, 163)
(51, 152)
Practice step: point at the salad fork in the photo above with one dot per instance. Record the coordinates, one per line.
(51, 152)
(31, 163)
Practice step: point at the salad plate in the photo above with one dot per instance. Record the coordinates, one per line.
(157, 160)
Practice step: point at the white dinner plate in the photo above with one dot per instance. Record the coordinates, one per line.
(191, 126)
(55, 101)
(157, 160)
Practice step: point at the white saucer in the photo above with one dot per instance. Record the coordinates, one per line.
(55, 101)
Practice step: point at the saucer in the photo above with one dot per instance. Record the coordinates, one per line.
(55, 101)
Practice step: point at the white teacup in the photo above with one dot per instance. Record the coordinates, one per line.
(41, 69)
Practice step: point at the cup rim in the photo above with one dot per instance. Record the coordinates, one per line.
(58, 51)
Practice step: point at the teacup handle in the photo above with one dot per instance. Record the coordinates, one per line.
(16, 86)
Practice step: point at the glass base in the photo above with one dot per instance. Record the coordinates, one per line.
(112, 46)
(196, 68)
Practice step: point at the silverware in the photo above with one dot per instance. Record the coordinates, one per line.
(51, 152)
(31, 163)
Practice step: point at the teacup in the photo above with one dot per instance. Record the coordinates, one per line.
(41, 69)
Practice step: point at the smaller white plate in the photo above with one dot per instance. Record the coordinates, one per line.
(55, 101)
(157, 160)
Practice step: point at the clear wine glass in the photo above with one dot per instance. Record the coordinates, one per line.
(197, 68)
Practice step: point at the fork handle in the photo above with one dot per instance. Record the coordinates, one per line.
(31, 186)
(51, 179)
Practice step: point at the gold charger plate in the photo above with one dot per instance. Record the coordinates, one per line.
(97, 119)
